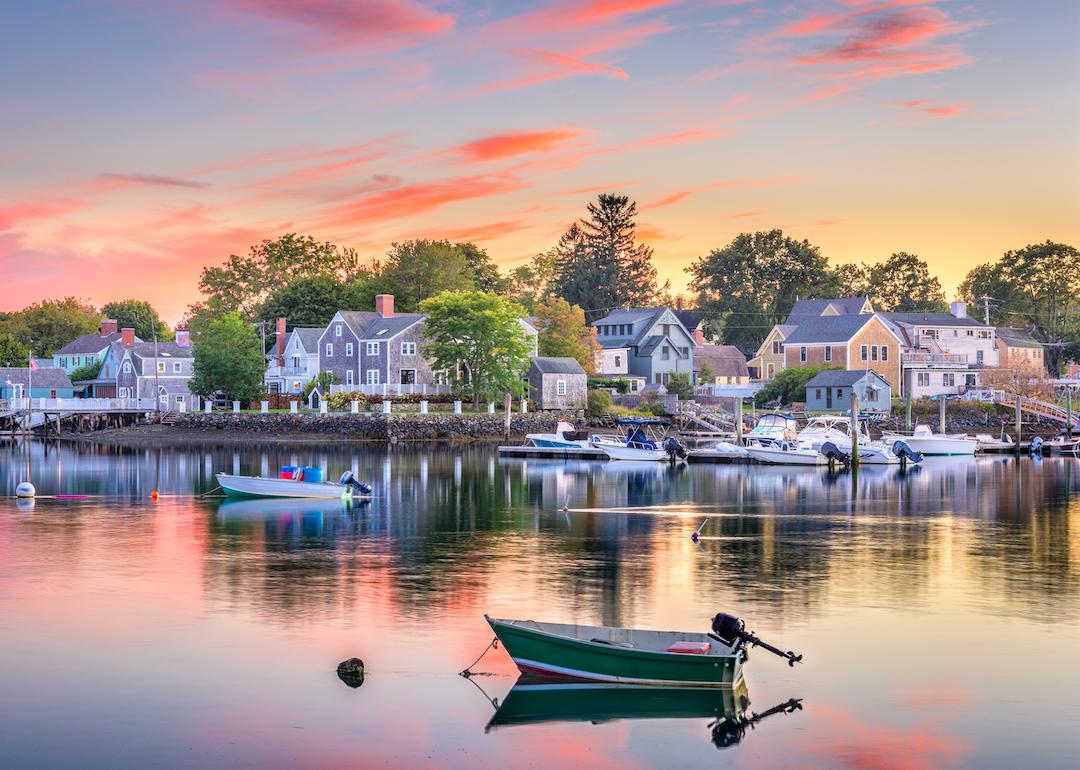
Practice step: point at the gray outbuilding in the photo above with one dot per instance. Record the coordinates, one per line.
(557, 383)
(830, 391)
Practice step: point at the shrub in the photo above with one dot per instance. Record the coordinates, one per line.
(343, 398)
(679, 385)
(87, 372)
(789, 386)
(599, 403)
(322, 380)
(619, 385)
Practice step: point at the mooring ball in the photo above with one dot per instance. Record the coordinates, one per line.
(351, 672)
(25, 489)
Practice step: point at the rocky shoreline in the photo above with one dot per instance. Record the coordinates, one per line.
(246, 428)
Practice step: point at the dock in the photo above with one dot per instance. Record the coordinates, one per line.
(558, 453)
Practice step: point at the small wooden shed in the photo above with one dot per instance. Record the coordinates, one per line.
(830, 391)
(557, 383)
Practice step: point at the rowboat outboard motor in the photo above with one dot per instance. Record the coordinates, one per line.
(729, 731)
(675, 448)
(1037, 445)
(732, 631)
(834, 453)
(904, 452)
(348, 480)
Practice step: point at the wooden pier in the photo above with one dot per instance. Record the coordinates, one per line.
(558, 453)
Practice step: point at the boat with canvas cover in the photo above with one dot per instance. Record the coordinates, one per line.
(924, 441)
(631, 655)
(348, 488)
(769, 430)
(835, 430)
(645, 439)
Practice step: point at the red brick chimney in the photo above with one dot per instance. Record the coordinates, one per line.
(384, 305)
(183, 338)
(699, 336)
(128, 337)
(279, 342)
(108, 326)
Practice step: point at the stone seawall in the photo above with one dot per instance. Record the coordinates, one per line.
(392, 428)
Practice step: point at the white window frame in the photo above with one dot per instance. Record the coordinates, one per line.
(337, 330)
(177, 367)
(864, 353)
(372, 376)
(408, 348)
(618, 361)
(372, 348)
(329, 349)
(127, 367)
(884, 352)
(180, 398)
(828, 353)
(348, 376)
(560, 387)
(348, 350)
(802, 353)
(121, 392)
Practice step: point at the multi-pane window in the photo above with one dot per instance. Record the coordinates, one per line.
(802, 353)
(560, 387)
(408, 348)
(337, 330)
(372, 376)
(873, 352)
(884, 352)
(348, 376)
(348, 349)
(924, 379)
(777, 348)
(828, 352)
(161, 367)
(329, 349)
(862, 352)
(176, 367)
(373, 348)
(948, 379)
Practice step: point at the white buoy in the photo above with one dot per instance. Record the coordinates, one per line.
(26, 489)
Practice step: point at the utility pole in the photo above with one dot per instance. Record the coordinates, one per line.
(986, 308)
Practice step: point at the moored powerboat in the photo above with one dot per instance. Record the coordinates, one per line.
(925, 441)
(564, 437)
(348, 488)
(786, 453)
(643, 441)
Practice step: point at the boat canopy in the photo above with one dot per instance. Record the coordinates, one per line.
(638, 421)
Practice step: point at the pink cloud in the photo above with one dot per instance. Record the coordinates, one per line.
(350, 22)
(17, 213)
(500, 146)
(727, 184)
(939, 110)
(119, 181)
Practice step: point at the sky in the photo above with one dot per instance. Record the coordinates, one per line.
(144, 141)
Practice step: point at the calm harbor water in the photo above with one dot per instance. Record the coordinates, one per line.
(938, 611)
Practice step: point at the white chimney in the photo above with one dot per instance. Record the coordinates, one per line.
(958, 309)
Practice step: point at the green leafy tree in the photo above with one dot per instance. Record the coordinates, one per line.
(418, 269)
(87, 372)
(322, 381)
(901, 283)
(986, 287)
(485, 273)
(564, 333)
(50, 324)
(599, 403)
(705, 374)
(243, 283)
(228, 360)
(310, 301)
(139, 315)
(752, 283)
(599, 263)
(790, 385)
(533, 283)
(480, 332)
(13, 352)
(680, 385)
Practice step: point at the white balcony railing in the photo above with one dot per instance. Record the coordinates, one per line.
(386, 389)
(78, 404)
(935, 359)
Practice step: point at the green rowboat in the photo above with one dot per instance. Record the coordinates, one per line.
(621, 655)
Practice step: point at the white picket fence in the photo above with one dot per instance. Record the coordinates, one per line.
(387, 389)
(78, 404)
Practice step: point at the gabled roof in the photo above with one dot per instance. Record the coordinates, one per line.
(385, 328)
(309, 337)
(629, 315)
(691, 319)
(88, 343)
(51, 377)
(840, 378)
(648, 345)
(723, 360)
(357, 320)
(933, 319)
(1017, 338)
(814, 308)
(551, 365)
(836, 329)
(141, 350)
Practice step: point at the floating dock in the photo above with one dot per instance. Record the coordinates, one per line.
(559, 453)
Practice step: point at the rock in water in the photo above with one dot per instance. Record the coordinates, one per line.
(351, 672)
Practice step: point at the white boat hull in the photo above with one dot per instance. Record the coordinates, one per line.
(935, 445)
(777, 456)
(261, 486)
(620, 452)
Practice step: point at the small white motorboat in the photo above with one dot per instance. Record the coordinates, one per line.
(643, 441)
(926, 442)
(720, 451)
(564, 437)
(772, 427)
(1063, 444)
(824, 428)
(786, 453)
(261, 486)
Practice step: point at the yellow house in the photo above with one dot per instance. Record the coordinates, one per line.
(769, 358)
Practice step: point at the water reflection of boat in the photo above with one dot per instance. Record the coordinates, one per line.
(295, 486)
(536, 702)
(266, 508)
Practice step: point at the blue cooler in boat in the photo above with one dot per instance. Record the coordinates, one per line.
(286, 471)
(313, 475)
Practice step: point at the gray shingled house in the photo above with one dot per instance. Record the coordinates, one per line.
(557, 383)
(830, 391)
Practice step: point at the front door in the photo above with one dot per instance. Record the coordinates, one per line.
(828, 398)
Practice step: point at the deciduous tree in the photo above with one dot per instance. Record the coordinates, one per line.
(139, 315)
(480, 332)
(485, 273)
(310, 301)
(564, 333)
(229, 360)
(901, 283)
(418, 269)
(50, 324)
(13, 352)
(752, 283)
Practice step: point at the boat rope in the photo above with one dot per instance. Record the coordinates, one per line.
(493, 701)
(211, 492)
(467, 672)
